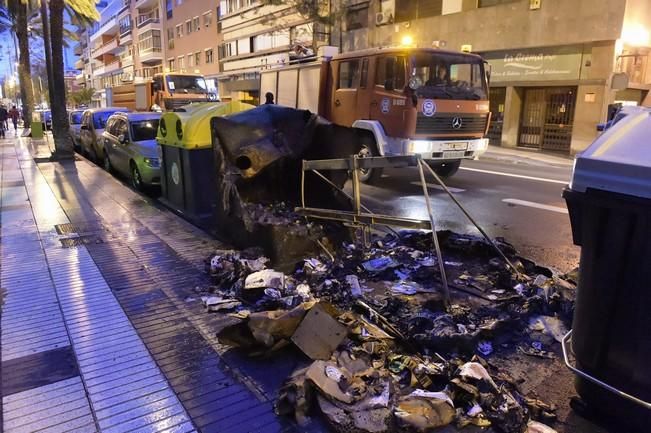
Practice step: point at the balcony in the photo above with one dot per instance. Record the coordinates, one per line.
(108, 68)
(79, 64)
(125, 7)
(108, 47)
(145, 3)
(126, 36)
(151, 55)
(80, 79)
(126, 60)
(108, 27)
(78, 49)
(147, 22)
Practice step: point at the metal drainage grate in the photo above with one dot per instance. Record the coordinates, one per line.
(81, 240)
(68, 228)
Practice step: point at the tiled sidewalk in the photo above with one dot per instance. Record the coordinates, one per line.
(96, 333)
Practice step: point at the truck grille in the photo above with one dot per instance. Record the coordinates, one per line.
(447, 123)
(173, 104)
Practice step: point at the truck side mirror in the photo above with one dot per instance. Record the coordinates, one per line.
(601, 127)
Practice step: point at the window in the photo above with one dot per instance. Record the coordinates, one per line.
(180, 62)
(364, 75)
(125, 24)
(243, 46)
(149, 41)
(196, 24)
(169, 8)
(144, 130)
(170, 65)
(207, 19)
(179, 30)
(190, 60)
(349, 74)
(268, 41)
(170, 39)
(197, 58)
(488, 3)
(408, 10)
(228, 49)
(390, 72)
(188, 27)
(209, 56)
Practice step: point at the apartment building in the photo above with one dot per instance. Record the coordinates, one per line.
(257, 36)
(557, 65)
(125, 45)
(192, 39)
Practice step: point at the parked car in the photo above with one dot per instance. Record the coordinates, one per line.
(620, 114)
(75, 126)
(93, 123)
(131, 148)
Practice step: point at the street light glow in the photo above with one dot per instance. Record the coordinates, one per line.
(636, 35)
(407, 41)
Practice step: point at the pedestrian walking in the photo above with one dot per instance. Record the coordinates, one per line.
(3, 120)
(269, 98)
(15, 115)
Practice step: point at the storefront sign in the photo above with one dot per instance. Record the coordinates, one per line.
(541, 64)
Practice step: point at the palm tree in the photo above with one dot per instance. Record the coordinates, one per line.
(85, 10)
(14, 15)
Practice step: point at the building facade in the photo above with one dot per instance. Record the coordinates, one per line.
(258, 36)
(556, 65)
(191, 38)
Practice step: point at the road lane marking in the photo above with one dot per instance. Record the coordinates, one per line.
(520, 176)
(535, 205)
(436, 186)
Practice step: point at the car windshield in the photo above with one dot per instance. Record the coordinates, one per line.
(99, 119)
(144, 129)
(186, 84)
(75, 118)
(448, 77)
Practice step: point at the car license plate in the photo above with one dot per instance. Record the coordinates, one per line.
(462, 145)
(453, 154)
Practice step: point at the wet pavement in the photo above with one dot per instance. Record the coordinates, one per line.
(116, 327)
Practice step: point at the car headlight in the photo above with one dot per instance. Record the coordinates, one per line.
(420, 146)
(152, 162)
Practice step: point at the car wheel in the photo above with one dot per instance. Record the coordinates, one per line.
(446, 169)
(136, 178)
(107, 164)
(369, 175)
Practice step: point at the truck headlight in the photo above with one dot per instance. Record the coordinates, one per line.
(420, 146)
(152, 162)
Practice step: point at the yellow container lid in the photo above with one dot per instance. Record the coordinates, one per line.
(191, 129)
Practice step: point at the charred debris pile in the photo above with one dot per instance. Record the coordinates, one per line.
(384, 351)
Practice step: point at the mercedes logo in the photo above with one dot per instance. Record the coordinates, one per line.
(457, 122)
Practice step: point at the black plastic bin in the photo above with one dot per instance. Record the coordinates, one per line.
(609, 203)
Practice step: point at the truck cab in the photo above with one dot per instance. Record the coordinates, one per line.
(413, 100)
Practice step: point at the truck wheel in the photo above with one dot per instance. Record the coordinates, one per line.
(369, 148)
(446, 169)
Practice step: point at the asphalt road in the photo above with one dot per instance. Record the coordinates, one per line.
(515, 198)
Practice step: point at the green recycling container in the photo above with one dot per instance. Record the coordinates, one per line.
(187, 162)
(37, 130)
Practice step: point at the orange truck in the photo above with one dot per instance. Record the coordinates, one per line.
(165, 91)
(408, 100)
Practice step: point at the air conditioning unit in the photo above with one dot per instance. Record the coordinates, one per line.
(384, 17)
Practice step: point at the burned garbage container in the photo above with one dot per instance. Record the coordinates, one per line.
(609, 201)
(187, 167)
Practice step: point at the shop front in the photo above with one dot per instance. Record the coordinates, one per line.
(533, 97)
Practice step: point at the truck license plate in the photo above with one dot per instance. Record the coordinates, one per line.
(453, 154)
(462, 145)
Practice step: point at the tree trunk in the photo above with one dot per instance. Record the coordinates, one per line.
(60, 126)
(47, 46)
(24, 66)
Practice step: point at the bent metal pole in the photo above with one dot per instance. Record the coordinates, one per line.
(472, 220)
(439, 255)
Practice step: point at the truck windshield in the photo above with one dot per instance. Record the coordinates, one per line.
(186, 84)
(144, 129)
(448, 76)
